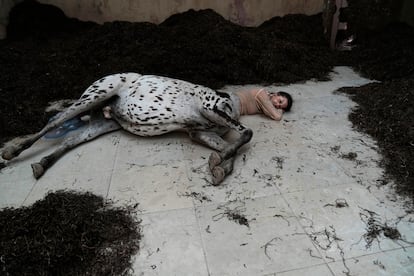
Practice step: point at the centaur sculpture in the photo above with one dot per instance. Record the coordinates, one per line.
(148, 105)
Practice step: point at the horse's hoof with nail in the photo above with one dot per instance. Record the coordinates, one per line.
(38, 170)
(218, 175)
(214, 160)
(8, 153)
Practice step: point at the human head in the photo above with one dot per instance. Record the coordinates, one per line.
(282, 98)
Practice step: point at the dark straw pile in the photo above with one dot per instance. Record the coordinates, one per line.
(68, 233)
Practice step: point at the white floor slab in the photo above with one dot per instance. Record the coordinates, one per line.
(171, 245)
(301, 200)
(254, 237)
(88, 167)
(158, 187)
(318, 270)
(338, 220)
(390, 263)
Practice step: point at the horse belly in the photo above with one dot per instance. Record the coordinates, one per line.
(153, 116)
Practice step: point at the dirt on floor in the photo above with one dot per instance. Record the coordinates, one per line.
(48, 56)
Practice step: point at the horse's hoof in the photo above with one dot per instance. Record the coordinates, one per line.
(8, 153)
(38, 170)
(214, 160)
(218, 175)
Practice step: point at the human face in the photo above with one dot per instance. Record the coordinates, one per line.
(280, 102)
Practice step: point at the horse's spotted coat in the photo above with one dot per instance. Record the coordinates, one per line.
(148, 105)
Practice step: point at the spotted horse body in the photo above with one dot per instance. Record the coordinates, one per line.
(148, 105)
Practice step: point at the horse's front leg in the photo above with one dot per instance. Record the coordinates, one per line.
(214, 141)
(221, 162)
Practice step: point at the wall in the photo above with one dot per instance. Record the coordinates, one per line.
(5, 7)
(407, 12)
(243, 12)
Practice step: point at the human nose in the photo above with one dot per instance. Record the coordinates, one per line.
(277, 104)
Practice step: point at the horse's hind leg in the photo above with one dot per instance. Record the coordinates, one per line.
(96, 127)
(99, 92)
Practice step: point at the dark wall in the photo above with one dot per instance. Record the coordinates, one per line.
(407, 12)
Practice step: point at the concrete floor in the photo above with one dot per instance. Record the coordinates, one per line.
(306, 185)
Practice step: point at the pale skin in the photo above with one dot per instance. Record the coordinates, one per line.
(258, 100)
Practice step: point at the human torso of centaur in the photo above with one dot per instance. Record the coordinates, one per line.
(148, 105)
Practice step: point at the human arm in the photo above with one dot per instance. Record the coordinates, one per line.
(265, 105)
